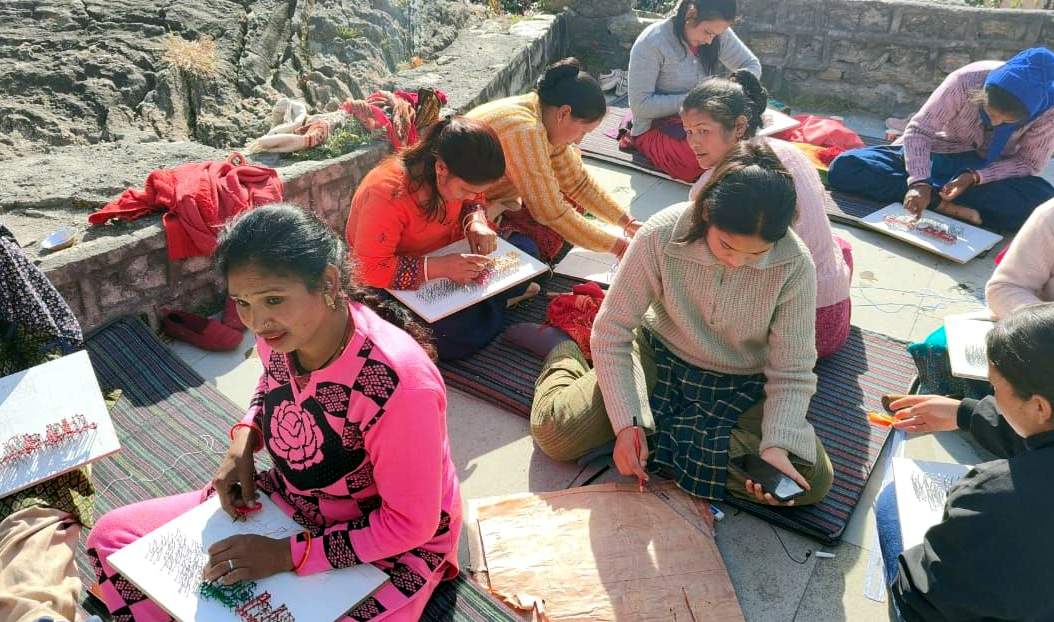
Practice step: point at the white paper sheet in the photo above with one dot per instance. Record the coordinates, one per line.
(775, 122)
(167, 564)
(47, 394)
(456, 298)
(966, 344)
(922, 488)
(971, 241)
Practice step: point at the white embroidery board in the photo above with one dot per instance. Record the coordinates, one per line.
(922, 488)
(46, 394)
(774, 122)
(434, 310)
(967, 348)
(970, 244)
(173, 585)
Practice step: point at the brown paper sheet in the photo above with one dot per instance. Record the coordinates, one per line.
(603, 553)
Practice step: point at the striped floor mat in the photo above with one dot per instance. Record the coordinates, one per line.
(173, 430)
(850, 383)
(600, 144)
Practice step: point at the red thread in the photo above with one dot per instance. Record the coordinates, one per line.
(22, 446)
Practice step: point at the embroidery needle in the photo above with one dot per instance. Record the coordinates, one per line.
(688, 604)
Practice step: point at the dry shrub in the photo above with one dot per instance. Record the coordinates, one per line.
(194, 57)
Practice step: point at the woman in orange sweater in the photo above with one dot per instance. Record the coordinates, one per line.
(421, 200)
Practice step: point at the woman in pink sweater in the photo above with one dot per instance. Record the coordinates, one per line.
(351, 410)
(973, 151)
(1026, 274)
(719, 113)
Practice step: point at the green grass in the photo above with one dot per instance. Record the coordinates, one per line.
(343, 140)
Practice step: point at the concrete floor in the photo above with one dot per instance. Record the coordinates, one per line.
(897, 290)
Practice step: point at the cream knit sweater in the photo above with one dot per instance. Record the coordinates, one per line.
(756, 318)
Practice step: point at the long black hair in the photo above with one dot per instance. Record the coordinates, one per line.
(565, 84)
(1020, 347)
(705, 11)
(471, 150)
(749, 193)
(286, 240)
(727, 99)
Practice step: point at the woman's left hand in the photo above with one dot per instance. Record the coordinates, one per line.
(247, 558)
(779, 458)
(482, 240)
(959, 185)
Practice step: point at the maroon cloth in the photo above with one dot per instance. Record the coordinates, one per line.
(574, 313)
(196, 198)
(550, 242)
(667, 149)
(833, 321)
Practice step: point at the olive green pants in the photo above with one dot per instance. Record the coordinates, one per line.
(568, 419)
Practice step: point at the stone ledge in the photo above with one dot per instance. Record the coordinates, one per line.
(123, 267)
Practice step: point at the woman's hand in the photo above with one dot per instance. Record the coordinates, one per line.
(632, 227)
(458, 267)
(918, 198)
(959, 185)
(482, 240)
(925, 413)
(247, 558)
(235, 480)
(777, 457)
(631, 452)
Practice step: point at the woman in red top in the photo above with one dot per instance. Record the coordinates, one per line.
(421, 200)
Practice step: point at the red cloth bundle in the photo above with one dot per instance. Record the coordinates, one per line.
(574, 313)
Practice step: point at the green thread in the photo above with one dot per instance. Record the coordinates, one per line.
(230, 595)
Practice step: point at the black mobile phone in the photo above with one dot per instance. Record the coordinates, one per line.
(772, 480)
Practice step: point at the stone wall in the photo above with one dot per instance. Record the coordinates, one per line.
(123, 268)
(885, 57)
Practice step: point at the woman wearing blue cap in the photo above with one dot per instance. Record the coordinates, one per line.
(975, 149)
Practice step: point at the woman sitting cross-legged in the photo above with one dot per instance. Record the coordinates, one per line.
(705, 341)
(719, 113)
(351, 410)
(547, 191)
(670, 58)
(989, 558)
(975, 149)
(423, 199)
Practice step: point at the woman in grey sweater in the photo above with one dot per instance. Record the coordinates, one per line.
(669, 59)
(704, 343)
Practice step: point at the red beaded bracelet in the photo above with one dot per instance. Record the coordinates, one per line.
(307, 552)
(254, 428)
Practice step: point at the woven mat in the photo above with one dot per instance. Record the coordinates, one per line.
(600, 144)
(501, 373)
(173, 430)
(850, 383)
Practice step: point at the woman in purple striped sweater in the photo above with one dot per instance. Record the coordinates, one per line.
(975, 149)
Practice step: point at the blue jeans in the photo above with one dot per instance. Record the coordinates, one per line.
(889, 540)
(879, 173)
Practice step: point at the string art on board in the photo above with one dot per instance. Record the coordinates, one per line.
(442, 288)
(942, 232)
(23, 446)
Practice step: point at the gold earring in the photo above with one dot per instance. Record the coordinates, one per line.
(329, 300)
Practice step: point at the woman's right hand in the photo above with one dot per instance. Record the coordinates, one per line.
(631, 452)
(458, 267)
(918, 199)
(920, 414)
(235, 480)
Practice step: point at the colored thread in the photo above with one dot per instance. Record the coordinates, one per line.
(434, 291)
(231, 596)
(210, 447)
(22, 446)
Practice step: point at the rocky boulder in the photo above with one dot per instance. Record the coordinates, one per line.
(95, 70)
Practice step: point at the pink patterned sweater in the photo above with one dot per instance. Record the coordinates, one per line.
(361, 454)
